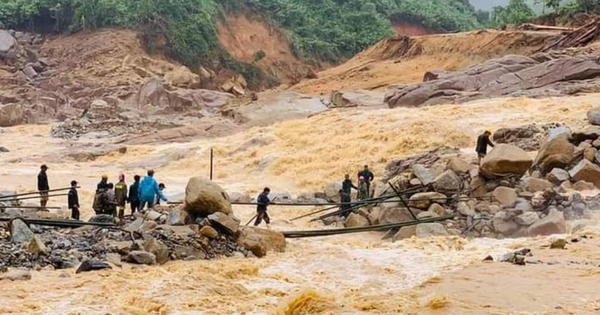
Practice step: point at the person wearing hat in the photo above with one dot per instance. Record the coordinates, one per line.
(121, 195)
(73, 201)
(43, 186)
(482, 143)
(103, 184)
(100, 190)
(363, 189)
(367, 176)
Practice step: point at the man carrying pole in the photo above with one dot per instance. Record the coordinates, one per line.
(261, 209)
(43, 186)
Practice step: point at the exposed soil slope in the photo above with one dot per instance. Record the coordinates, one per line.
(405, 60)
(412, 29)
(244, 37)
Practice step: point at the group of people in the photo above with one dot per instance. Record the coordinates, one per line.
(110, 198)
(365, 178)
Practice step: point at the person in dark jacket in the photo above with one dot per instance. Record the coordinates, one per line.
(103, 184)
(109, 201)
(100, 190)
(346, 203)
(134, 197)
(121, 195)
(368, 177)
(482, 143)
(347, 185)
(261, 209)
(43, 186)
(363, 189)
(73, 201)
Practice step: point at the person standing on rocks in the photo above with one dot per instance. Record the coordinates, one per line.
(148, 191)
(368, 177)
(347, 185)
(134, 197)
(346, 203)
(73, 201)
(121, 195)
(110, 200)
(363, 189)
(482, 143)
(161, 187)
(263, 202)
(43, 186)
(98, 197)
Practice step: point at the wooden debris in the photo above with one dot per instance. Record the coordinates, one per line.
(577, 38)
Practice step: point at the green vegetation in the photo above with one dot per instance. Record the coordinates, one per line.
(516, 12)
(320, 30)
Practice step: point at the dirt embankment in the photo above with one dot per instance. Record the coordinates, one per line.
(412, 29)
(253, 40)
(404, 59)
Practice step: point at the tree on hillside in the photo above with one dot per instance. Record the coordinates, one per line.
(552, 4)
(516, 12)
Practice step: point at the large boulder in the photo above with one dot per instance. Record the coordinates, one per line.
(593, 116)
(553, 223)
(11, 115)
(177, 216)
(504, 224)
(505, 159)
(459, 166)
(204, 197)
(430, 229)
(405, 232)
(225, 222)
(332, 191)
(556, 152)
(532, 184)
(448, 181)
(7, 42)
(527, 218)
(356, 98)
(391, 215)
(424, 174)
(586, 171)
(141, 257)
(424, 200)
(20, 232)
(356, 220)
(506, 196)
(259, 241)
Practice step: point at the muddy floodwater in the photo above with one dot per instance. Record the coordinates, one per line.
(352, 274)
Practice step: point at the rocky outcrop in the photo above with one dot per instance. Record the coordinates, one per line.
(204, 197)
(586, 171)
(508, 76)
(11, 115)
(553, 223)
(505, 159)
(356, 98)
(556, 151)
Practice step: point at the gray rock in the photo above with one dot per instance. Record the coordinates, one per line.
(177, 216)
(448, 181)
(405, 232)
(532, 185)
(7, 42)
(527, 218)
(556, 151)
(356, 98)
(30, 72)
(356, 220)
(430, 229)
(504, 224)
(204, 197)
(424, 200)
(423, 174)
(553, 223)
(465, 209)
(331, 191)
(558, 175)
(141, 258)
(593, 116)
(506, 196)
(427, 215)
(20, 232)
(228, 223)
(158, 249)
(523, 205)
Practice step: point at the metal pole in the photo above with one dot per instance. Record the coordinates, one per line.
(34, 197)
(33, 193)
(211, 163)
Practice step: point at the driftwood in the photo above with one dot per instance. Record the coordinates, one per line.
(577, 38)
(537, 27)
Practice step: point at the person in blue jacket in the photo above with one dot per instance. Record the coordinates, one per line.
(148, 191)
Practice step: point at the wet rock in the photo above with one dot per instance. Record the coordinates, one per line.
(582, 185)
(423, 174)
(593, 116)
(141, 258)
(527, 218)
(331, 191)
(430, 229)
(16, 275)
(356, 220)
(91, 265)
(504, 224)
(20, 232)
(209, 232)
(424, 200)
(531, 184)
(506, 196)
(37, 247)
(259, 241)
(228, 223)
(427, 215)
(447, 181)
(553, 223)
(556, 152)
(558, 175)
(437, 209)
(586, 171)
(405, 232)
(587, 133)
(505, 159)
(465, 209)
(204, 197)
(237, 197)
(177, 216)
(158, 249)
(102, 218)
(558, 244)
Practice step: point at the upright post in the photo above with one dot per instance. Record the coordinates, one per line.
(211, 163)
